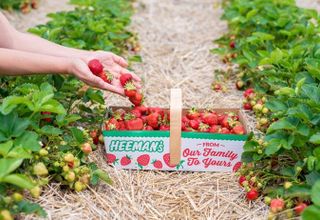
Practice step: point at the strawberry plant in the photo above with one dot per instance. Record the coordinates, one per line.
(23, 5)
(275, 45)
(49, 129)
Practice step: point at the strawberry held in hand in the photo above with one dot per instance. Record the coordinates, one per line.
(95, 66)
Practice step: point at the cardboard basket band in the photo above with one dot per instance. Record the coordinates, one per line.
(175, 126)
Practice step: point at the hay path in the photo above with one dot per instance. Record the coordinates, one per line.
(176, 36)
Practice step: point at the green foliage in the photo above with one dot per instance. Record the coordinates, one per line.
(43, 125)
(277, 47)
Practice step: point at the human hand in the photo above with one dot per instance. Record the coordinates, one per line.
(80, 69)
(114, 64)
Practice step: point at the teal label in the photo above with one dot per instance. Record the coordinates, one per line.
(136, 146)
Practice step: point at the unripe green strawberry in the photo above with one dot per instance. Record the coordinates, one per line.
(101, 139)
(5, 215)
(40, 169)
(79, 186)
(253, 103)
(84, 170)
(68, 157)
(298, 169)
(265, 110)
(263, 121)
(43, 152)
(63, 143)
(7, 200)
(70, 176)
(56, 164)
(257, 107)
(35, 192)
(65, 168)
(287, 185)
(263, 99)
(267, 200)
(259, 151)
(259, 185)
(17, 197)
(76, 163)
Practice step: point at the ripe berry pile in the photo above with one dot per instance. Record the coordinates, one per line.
(154, 118)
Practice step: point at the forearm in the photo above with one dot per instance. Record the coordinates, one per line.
(13, 62)
(31, 43)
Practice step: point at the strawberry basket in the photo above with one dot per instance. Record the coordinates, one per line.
(174, 149)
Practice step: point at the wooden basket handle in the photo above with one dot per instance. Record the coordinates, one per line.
(175, 126)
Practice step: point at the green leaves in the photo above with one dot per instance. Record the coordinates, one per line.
(41, 100)
(315, 139)
(9, 165)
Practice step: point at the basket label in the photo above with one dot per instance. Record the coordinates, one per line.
(152, 153)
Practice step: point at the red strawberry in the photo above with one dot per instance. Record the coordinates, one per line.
(225, 131)
(122, 126)
(164, 128)
(210, 119)
(107, 77)
(241, 180)
(185, 120)
(111, 158)
(299, 208)
(95, 66)
(148, 128)
(247, 106)
(238, 129)
(94, 136)
(216, 87)
(232, 44)
(166, 159)
(158, 110)
(136, 113)
(215, 129)
(134, 124)
(248, 92)
(124, 78)
(141, 108)
(193, 114)
(220, 118)
(157, 164)
(194, 124)
(125, 161)
(137, 99)
(253, 194)
(225, 122)
(112, 124)
(130, 90)
(143, 160)
(153, 120)
(46, 119)
(237, 166)
(277, 205)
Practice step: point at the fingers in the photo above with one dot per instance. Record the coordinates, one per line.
(99, 83)
(119, 60)
(134, 76)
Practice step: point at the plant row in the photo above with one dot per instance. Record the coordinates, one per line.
(275, 45)
(24, 6)
(49, 129)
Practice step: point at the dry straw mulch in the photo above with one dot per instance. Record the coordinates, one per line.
(176, 36)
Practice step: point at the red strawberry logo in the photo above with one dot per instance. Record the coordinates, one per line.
(237, 166)
(111, 158)
(166, 159)
(125, 160)
(143, 160)
(157, 164)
